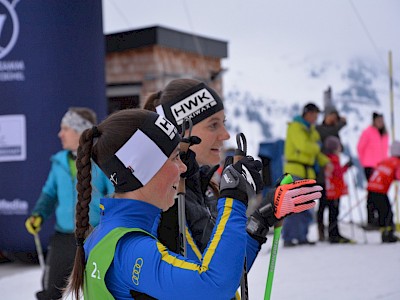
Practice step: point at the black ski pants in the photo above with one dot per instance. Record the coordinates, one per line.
(384, 208)
(333, 229)
(59, 263)
(333, 206)
(372, 210)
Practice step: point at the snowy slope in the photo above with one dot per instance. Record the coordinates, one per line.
(329, 272)
(359, 87)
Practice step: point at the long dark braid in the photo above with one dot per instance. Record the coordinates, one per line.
(112, 133)
(84, 188)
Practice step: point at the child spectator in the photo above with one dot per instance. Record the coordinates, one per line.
(378, 186)
(335, 187)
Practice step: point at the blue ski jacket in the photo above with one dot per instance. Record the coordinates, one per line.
(201, 213)
(59, 194)
(164, 274)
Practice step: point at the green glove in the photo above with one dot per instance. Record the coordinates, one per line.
(33, 224)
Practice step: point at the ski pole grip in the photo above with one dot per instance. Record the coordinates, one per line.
(184, 147)
(241, 150)
(182, 186)
(287, 179)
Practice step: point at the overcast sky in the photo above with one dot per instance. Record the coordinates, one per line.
(263, 35)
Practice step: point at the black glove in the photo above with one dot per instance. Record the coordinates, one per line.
(189, 157)
(205, 177)
(349, 163)
(259, 222)
(241, 180)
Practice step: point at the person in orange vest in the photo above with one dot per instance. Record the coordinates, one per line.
(379, 183)
(335, 187)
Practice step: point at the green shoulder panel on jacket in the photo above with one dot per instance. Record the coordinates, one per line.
(99, 260)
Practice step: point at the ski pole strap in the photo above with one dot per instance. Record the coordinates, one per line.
(241, 150)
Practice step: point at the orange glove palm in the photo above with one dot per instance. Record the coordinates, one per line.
(295, 197)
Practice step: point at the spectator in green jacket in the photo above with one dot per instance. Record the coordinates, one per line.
(303, 158)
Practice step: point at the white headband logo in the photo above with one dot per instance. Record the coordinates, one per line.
(192, 105)
(167, 127)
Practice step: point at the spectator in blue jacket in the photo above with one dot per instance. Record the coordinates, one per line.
(59, 196)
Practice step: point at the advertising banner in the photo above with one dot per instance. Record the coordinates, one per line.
(51, 58)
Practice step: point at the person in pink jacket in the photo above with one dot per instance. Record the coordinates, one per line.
(372, 148)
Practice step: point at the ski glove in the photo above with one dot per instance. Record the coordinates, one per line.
(33, 224)
(189, 157)
(241, 180)
(284, 200)
(206, 176)
(294, 197)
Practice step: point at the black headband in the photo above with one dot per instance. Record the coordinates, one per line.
(196, 103)
(143, 155)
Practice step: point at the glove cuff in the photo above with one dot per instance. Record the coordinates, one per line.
(259, 222)
(257, 230)
(235, 194)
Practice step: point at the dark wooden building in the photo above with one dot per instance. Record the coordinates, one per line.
(142, 61)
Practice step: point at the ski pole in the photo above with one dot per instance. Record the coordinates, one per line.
(274, 250)
(359, 208)
(358, 202)
(351, 219)
(184, 146)
(240, 152)
(39, 251)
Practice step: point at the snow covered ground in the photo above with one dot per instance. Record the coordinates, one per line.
(348, 272)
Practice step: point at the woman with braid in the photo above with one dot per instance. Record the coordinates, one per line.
(122, 258)
(59, 196)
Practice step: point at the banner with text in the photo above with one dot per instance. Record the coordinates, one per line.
(51, 58)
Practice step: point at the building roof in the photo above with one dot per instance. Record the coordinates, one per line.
(162, 36)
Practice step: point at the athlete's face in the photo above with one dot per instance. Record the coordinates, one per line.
(165, 182)
(213, 133)
(69, 138)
